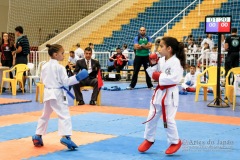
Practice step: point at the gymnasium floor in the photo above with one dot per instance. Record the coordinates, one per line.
(114, 130)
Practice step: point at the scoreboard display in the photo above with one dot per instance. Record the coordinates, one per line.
(218, 24)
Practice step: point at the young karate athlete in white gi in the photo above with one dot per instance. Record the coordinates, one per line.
(168, 72)
(190, 80)
(54, 77)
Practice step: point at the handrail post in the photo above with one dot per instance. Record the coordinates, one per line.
(183, 20)
(199, 7)
(167, 29)
(166, 25)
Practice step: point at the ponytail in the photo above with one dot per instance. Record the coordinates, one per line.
(54, 48)
(181, 54)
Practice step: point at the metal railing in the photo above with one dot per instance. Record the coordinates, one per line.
(183, 11)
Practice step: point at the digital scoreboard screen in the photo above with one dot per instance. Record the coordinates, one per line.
(218, 24)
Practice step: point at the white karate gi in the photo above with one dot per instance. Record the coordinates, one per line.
(54, 76)
(192, 78)
(213, 59)
(172, 73)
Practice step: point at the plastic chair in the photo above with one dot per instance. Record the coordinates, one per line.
(40, 92)
(212, 81)
(236, 90)
(36, 76)
(20, 69)
(89, 88)
(229, 88)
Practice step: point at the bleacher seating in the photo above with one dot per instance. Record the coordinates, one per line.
(228, 9)
(153, 19)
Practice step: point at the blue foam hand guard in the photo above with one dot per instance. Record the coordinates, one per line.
(188, 83)
(82, 75)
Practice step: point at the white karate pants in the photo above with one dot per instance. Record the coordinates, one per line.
(171, 130)
(64, 118)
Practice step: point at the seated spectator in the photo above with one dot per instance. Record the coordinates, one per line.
(119, 62)
(189, 84)
(72, 60)
(92, 66)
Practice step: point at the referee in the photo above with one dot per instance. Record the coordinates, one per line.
(142, 45)
(232, 45)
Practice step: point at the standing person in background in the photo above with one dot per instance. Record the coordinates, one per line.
(22, 51)
(223, 38)
(232, 46)
(168, 72)
(142, 45)
(208, 40)
(125, 50)
(91, 45)
(213, 57)
(6, 57)
(204, 53)
(79, 53)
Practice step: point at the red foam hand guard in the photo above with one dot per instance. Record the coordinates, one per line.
(153, 58)
(156, 75)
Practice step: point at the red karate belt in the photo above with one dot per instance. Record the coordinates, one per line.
(162, 102)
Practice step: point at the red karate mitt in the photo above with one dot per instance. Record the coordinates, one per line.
(156, 75)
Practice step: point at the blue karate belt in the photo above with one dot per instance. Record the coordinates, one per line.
(68, 92)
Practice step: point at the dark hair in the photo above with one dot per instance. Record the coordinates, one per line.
(8, 38)
(78, 44)
(88, 49)
(234, 30)
(118, 48)
(192, 65)
(54, 48)
(19, 29)
(125, 45)
(90, 44)
(177, 48)
(71, 52)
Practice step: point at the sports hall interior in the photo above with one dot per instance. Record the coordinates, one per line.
(113, 128)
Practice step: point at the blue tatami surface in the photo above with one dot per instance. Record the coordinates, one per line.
(200, 140)
(137, 98)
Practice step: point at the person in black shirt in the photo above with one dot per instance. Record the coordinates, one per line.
(232, 45)
(22, 50)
